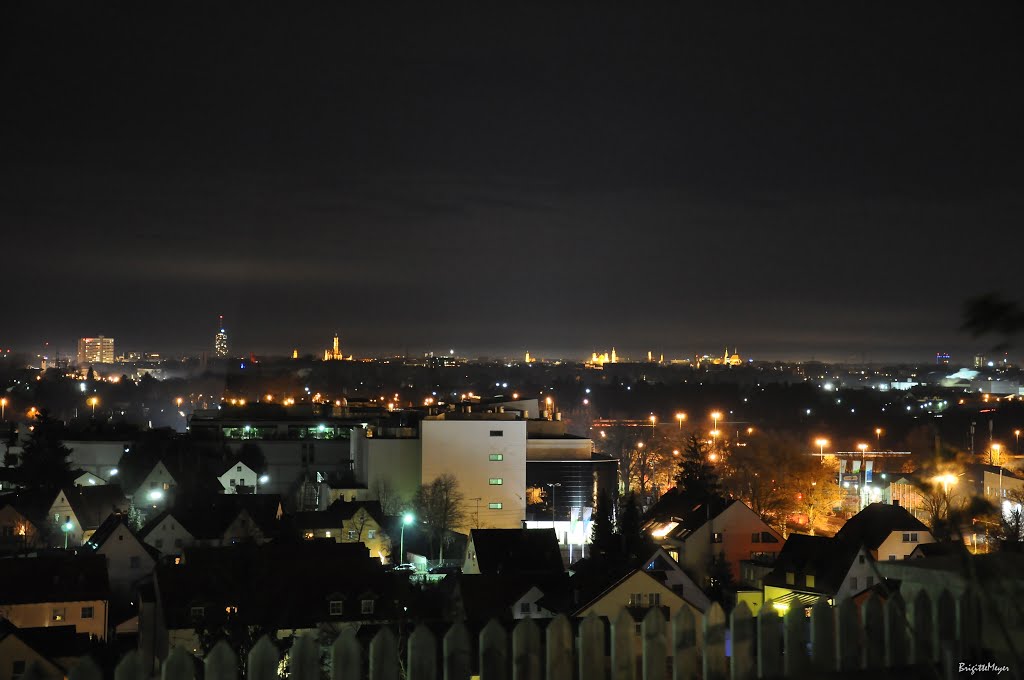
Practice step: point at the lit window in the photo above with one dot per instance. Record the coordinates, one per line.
(352, 534)
(336, 607)
(810, 580)
(496, 456)
(197, 612)
(367, 607)
(59, 614)
(717, 537)
(308, 535)
(494, 506)
(790, 578)
(371, 533)
(495, 481)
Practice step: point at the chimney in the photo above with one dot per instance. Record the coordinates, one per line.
(896, 502)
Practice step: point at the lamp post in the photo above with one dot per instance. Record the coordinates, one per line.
(3, 409)
(863, 470)
(715, 415)
(262, 479)
(680, 417)
(92, 402)
(822, 443)
(878, 437)
(407, 518)
(555, 485)
(996, 449)
(66, 528)
(1016, 433)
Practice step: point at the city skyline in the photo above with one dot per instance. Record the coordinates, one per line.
(664, 179)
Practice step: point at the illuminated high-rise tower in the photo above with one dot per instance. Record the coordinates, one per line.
(220, 341)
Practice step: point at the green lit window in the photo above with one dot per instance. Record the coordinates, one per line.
(496, 456)
(494, 506)
(495, 481)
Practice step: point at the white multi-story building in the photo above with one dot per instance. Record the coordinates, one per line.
(95, 351)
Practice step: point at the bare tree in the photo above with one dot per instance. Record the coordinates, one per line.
(390, 501)
(439, 505)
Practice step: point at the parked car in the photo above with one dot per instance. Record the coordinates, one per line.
(409, 568)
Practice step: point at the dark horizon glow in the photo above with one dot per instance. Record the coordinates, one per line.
(819, 180)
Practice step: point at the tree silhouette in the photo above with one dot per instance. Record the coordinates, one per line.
(602, 530)
(439, 505)
(696, 474)
(44, 458)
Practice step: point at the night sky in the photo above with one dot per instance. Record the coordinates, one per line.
(797, 180)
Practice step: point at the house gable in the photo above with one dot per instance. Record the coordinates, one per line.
(638, 589)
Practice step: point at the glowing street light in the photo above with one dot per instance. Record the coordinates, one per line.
(67, 527)
(92, 402)
(3, 408)
(653, 419)
(945, 480)
(996, 449)
(680, 417)
(407, 519)
(716, 415)
(1016, 433)
(179, 401)
(878, 437)
(822, 443)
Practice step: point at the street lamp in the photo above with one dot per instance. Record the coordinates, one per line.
(716, 415)
(946, 481)
(878, 437)
(653, 419)
(262, 479)
(1016, 433)
(3, 409)
(66, 528)
(822, 443)
(92, 402)
(407, 518)
(680, 417)
(996, 448)
(553, 486)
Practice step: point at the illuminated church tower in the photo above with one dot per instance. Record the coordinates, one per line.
(220, 341)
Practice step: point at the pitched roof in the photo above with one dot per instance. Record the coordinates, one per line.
(109, 526)
(688, 512)
(50, 642)
(487, 596)
(872, 525)
(33, 504)
(511, 551)
(93, 504)
(278, 584)
(827, 559)
(54, 578)
(208, 516)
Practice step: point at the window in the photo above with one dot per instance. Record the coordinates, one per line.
(134, 562)
(308, 535)
(809, 580)
(159, 543)
(790, 578)
(351, 534)
(860, 559)
(18, 668)
(371, 533)
(197, 612)
(87, 612)
(910, 538)
(367, 606)
(495, 481)
(717, 537)
(755, 537)
(653, 599)
(496, 456)
(231, 482)
(497, 433)
(524, 608)
(238, 468)
(58, 614)
(636, 599)
(336, 607)
(892, 558)
(494, 506)
(853, 583)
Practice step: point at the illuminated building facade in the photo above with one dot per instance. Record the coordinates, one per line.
(220, 341)
(95, 351)
(334, 354)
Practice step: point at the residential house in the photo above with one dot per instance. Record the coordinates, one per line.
(637, 591)
(56, 590)
(513, 551)
(478, 598)
(78, 511)
(214, 520)
(811, 567)
(288, 587)
(661, 566)
(236, 475)
(345, 522)
(695, 531)
(156, 488)
(129, 558)
(54, 651)
(889, 532)
(83, 478)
